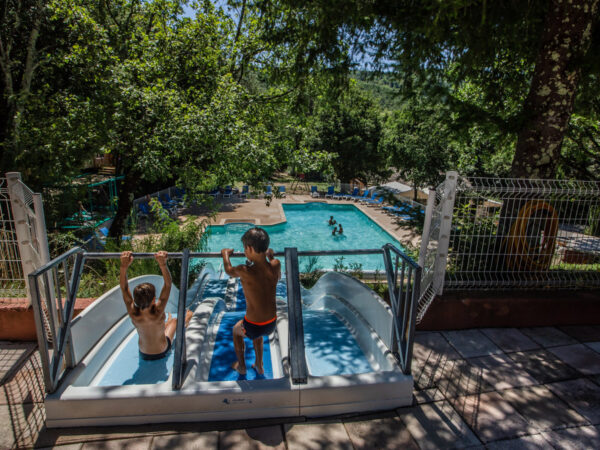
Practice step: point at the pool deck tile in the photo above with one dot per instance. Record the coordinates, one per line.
(548, 336)
(491, 417)
(316, 436)
(427, 396)
(594, 346)
(501, 372)
(141, 443)
(252, 438)
(544, 366)
(582, 395)
(471, 343)
(533, 442)
(432, 344)
(580, 357)
(196, 441)
(583, 333)
(576, 438)
(386, 433)
(542, 409)
(438, 425)
(510, 339)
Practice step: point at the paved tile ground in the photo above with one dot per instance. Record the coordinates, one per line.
(513, 389)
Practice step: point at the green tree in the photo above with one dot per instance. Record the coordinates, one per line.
(350, 129)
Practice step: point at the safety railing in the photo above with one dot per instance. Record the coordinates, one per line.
(404, 283)
(403, 276)
(53, 315)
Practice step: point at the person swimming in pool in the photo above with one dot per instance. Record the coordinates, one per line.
(148, 315)
(331, 221)
(259, 281)
(340, 229)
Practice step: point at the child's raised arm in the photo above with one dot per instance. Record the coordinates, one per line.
(126, 260)
(163, 299)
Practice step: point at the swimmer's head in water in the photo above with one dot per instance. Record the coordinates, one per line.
(257, 239)
(143, 295)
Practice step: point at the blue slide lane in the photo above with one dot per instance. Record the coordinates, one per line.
(224, 354)
(330, 347)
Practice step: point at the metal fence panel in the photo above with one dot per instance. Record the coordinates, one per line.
(12, 279)
(524, 234)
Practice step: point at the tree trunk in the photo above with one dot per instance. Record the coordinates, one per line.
(565, 40)
(128, 186)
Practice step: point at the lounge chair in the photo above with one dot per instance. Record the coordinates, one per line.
(366, 199)
(282, 191)
(339, 195)
(269, 191)
(167, 201)
(214, 193)
(228, 192)
(364, 196)
(395, 209)
(375, 202)
(314, 192)
(329, 192)
(354, 194)
(244, 192)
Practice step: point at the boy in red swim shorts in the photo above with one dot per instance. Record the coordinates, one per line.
(259, 280)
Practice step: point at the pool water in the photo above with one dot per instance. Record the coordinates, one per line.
(307, 228)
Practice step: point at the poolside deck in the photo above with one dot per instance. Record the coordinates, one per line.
(491, 388)
(256, 211)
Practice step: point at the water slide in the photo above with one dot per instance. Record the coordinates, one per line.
(347, 332)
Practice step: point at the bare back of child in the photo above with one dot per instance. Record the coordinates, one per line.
(259, 281)
(146, 313)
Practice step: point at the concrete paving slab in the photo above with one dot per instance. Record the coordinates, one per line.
(141, 443)
(427, 396)
(544, 366)
(491, 417)
(195, 441)
(27, 420)
(471, 343)
(582, 395)
(501, 372)
(462, 378)
(252, 438)
(437, 425)
(7, 435)
(24, 386)
(12, 354)
(316, 436)
(510, 339)
(386, 433)
(542, 409)
(548, 336)
(427, 373)
(432, 345)
(63, 447)
(580, 357)
(578, 438)
(583, 333)
(594, 346)
(533, 442)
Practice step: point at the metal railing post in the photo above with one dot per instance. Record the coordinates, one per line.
(296, 326)
(180, 350)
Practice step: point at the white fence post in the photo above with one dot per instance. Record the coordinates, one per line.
(22, 230)
(445, 227)
(426, 227)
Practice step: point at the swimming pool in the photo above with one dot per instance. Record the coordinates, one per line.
(307, 228)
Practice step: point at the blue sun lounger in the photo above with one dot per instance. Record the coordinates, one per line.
(354, 194)
(329, 192)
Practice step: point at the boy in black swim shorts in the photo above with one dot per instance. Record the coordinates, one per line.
(259, 280)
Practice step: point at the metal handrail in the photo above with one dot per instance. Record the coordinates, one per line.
(180, 350)
(299, 370)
